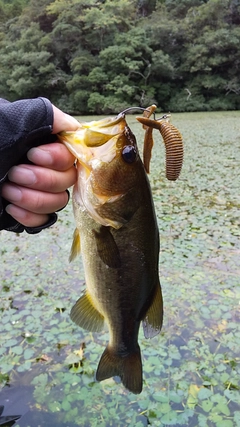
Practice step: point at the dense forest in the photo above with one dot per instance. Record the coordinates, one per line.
(101, 56)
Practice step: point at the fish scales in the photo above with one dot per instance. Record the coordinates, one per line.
(118, 237)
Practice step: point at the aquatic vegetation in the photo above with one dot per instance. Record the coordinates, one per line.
(192, 369)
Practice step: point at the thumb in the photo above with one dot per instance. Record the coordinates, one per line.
(62, 121)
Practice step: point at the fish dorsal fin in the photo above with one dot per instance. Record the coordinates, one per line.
(75, 248)
(107, 247)
(152, 322)
(84, 314)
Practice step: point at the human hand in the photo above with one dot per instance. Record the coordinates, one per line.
(36, 190)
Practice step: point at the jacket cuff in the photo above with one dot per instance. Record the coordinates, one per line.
(16, 227)
(51, 220)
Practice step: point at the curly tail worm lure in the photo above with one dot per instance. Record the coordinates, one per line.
(172, 139)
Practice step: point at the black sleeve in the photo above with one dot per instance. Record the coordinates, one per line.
(23, 124)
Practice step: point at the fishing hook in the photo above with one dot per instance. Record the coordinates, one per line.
(135, 108)
(164, 116)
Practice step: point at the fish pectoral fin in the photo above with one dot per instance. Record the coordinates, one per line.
(152, 322)
(107, 247)
(127, 367)
(84, 314)
(75, 248)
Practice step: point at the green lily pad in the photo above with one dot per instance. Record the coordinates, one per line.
(191, 370)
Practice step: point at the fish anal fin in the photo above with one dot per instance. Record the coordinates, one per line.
(127, 367)
(75, 248)
(107, 247)
(152, 322)
(85, 315)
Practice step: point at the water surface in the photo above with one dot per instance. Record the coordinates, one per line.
(192, 369)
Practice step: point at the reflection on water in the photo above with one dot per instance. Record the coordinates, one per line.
(192, 370)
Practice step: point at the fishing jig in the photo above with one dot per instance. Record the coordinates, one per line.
(172, 139)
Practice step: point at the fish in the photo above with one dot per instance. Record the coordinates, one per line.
(118, 238)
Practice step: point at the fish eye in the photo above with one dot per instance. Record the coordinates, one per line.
(129, 154)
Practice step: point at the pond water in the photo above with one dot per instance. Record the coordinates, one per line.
(192, 369)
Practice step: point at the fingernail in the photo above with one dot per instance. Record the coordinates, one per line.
(11, 193)
(22, 175)
(15, 212)
(40, 155)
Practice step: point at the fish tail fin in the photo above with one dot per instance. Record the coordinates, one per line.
(128, 368)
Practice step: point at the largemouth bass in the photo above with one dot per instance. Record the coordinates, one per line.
(118, 237)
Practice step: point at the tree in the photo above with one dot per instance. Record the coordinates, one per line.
(211, 63)
(9, 9)
(100, 56)
(30, 71)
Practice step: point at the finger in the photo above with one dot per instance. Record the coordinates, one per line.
(55, 156)
(33, 200)
(62, 121)
(40, 178)
(28, 219)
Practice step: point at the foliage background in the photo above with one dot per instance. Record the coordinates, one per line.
(101, 56)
